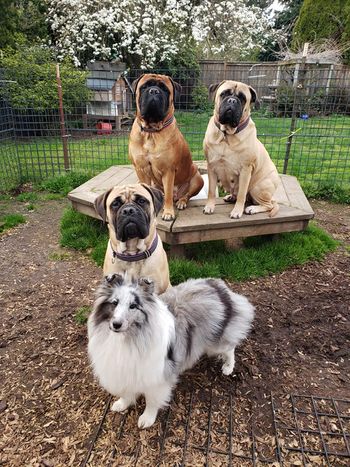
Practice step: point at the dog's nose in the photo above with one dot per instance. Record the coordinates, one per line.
(128, 211)
(231, 100)
(153, 90)
(116, 325)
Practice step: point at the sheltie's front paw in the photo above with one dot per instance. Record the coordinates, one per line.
(146, 419)
(227, 369)
(120, 405)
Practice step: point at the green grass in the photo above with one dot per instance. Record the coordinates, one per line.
(82, 314)
(10, 220)
(319, 156)
(259, 257)
(60, 256)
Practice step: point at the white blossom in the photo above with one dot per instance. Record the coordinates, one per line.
(152, 31)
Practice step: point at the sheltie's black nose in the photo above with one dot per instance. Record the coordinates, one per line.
(116, 325)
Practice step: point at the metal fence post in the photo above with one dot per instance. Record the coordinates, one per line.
(64, 135)
(298, 67)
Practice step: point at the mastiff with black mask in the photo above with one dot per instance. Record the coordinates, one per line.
(234, 154)
(157, 149)
(134, 246)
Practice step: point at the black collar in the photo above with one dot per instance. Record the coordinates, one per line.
(156, 130)
(138, 256)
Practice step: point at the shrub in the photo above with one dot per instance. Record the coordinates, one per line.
(200, 98)
(32, 71)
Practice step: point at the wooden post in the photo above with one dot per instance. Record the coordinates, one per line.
(64, 135)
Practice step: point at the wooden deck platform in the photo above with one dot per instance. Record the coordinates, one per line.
(191, 225)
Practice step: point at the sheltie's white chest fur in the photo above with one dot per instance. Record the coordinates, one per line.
(121, 366)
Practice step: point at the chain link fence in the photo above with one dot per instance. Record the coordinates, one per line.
(304, 119)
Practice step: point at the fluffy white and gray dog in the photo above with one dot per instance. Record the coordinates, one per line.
(140, 343)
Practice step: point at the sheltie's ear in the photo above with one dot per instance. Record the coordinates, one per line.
(114, 279)
(146, 284)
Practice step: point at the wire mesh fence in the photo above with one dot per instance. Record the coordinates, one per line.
(304, 119)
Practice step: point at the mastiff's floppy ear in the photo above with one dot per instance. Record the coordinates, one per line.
(135, 83)
(177, 89)
(213, 88)
(100, 205)
(254, 98)
(157, 197)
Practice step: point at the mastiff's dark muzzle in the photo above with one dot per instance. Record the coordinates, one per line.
(132, 221)
(231, 109)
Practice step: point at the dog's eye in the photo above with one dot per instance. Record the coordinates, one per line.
(116, 203)
(141, 200)
(115, 302)
(132, 306)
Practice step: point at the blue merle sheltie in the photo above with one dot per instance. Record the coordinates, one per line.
(139, 343)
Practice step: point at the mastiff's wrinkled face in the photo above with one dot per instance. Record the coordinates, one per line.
(155, 96)
(130, 209)
(232, 102)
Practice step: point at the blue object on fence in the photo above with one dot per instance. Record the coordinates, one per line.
(304, 116)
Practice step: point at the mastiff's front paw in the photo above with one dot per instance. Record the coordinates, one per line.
(209, 207)
(168, 215)
(236, 213)
(182, 203)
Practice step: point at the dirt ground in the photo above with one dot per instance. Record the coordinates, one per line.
(51, 408)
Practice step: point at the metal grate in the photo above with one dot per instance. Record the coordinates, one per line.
(312, 429)
(206, 427)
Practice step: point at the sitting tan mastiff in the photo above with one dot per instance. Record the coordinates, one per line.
(157, 149)
(134, 246)
(234, 154)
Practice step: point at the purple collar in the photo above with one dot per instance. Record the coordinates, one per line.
(240, 127)
(138, 256)
(156, 130)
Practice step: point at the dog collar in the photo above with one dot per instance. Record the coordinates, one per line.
(138, 256)
(156, 130)
(239, 128)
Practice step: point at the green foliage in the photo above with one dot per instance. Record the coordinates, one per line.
(11, 220)
(82, 314)
(21, 22)
(259, 257)
(28, 196)
(324, 19)
(184, 64)
(9, 19)
(65, 183)
(81, 232)
(318, 103)
(328, 191)
(200, 98)
(59, 256)
(34, 86)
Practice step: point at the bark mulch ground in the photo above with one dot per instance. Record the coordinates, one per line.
(53, 413)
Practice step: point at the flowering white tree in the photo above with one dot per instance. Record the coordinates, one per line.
(230, 29)
(142, 32)
(148, 32)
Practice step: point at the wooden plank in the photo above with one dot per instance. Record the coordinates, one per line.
(174, 238)
(192, 219)
(296, 195)
(280, 195)
(88, 192)
(89, 210)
